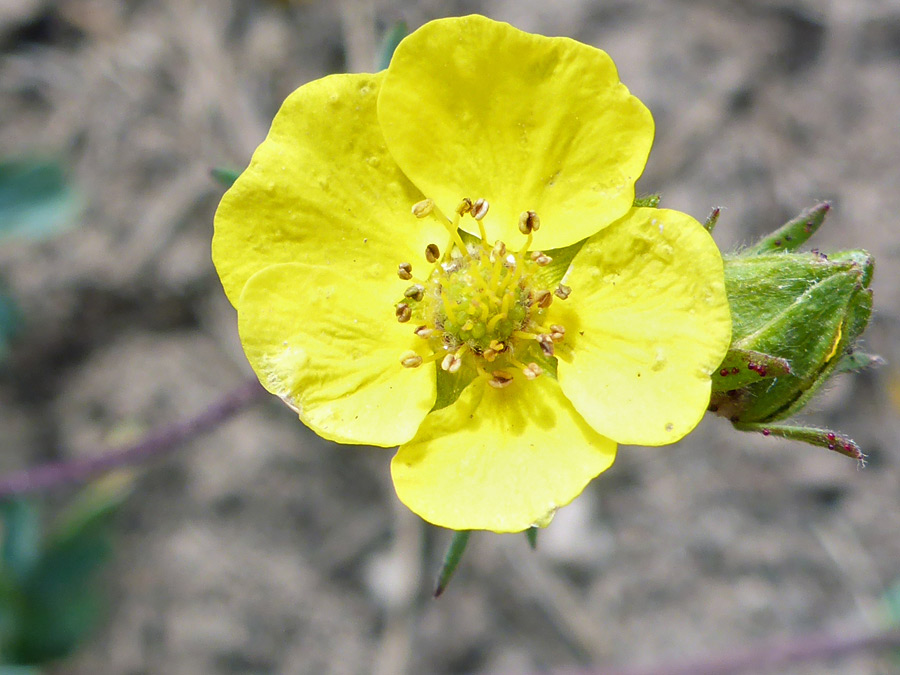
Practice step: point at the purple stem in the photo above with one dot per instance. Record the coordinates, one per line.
(155, 444)
(771, 655)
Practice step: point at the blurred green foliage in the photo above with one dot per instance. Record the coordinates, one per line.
(49, 596)
(389, 42)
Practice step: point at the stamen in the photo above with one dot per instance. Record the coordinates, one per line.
(541, 259)
(415, 292)
(480, 209)
(452, 362)
(403, 312)
(498, 252)
(464, 207)
(411, 360)
(529, 222)
(432, 253)
(562, 291)
(543, 299)
(423, 208)
(532, 371)
(424, 332)
(404, 271)
(546, 343)
(557, 332)
(500, 379)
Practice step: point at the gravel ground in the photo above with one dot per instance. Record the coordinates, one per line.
(261, 549)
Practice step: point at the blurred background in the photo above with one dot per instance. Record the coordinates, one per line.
(261, 549)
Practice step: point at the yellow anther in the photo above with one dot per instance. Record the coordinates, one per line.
(423, 208)
(403, 312)
(479, 209)
(498, 346)
(415, 292)
(500, 379)
(424, 332)
(529, 222)
(464, 207)
(562, 291)
(411, 360)
(489, 354)
(404, 271)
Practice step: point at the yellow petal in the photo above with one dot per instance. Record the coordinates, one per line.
(500, 460)
(475, 108)
(646, 324)
(330, 347)
(322, 189)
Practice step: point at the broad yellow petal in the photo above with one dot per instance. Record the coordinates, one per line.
(500, 460)
(646, 324)
(330, 347)
(322, 189)
(475, 108)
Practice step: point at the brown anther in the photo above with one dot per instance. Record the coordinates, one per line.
(404, 271)
(480, 209)
(464, 206)
(451, 363)
(403, 312)
(562, 291)
(423, 208)
(532, 371)
(546, 343)
(415, 292)
(541, 258)
(543, 299)
(424, 332)
(489, 354)
(500, 379)
(529, 222)
(411, 360)
(558, 333)
(432, 253)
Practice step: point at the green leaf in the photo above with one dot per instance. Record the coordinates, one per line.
(21, 537)
(389, 43)
(36, 199)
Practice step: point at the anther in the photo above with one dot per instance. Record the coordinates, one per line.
(424, 332)
(464, 206)
(500, 379)
(432, 253)
(540, 258)
(529, 222)
(498, 251)
(451, 363)
(479, 209)
(498, 346)
(543, 299)
(403, 312)
(411, 360)
(489, 355)
(532, 371)
(415, 292)
(562, 291)
(558, 333)
(404, 271)
(546, 343)
(423, 208)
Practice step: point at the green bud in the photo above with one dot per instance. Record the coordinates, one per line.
(795, 320)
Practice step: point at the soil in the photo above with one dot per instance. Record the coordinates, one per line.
(262, 549)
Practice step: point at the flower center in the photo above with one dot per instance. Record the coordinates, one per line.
(481, 304)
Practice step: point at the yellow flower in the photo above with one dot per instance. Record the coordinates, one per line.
(508, 357)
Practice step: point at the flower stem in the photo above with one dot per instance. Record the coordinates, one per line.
(155, 444)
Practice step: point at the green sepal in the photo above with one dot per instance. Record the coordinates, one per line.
(531, 534)
(647, 201)
(824, 438)
(793, 233)
(224, 176)
(389, 42)
(743, 367)
(451, 560)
